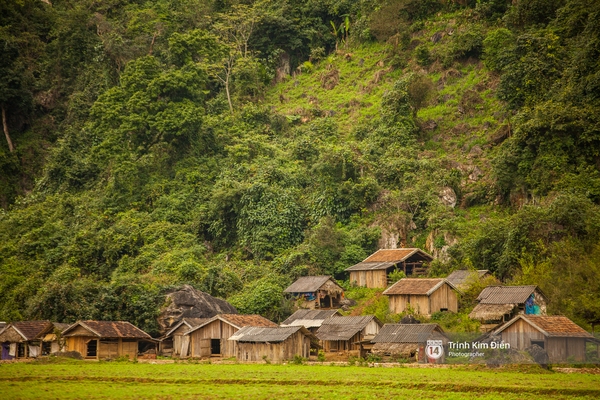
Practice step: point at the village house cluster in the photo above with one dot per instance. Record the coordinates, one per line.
(514, 315)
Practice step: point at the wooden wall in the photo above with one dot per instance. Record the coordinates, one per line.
(370, 279)
(443, 298)
(297, 344)
(107, 348)
(372, 328)
(399, 302)
(200, 339)
(520, 334)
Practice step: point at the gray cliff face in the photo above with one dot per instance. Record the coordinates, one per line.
(188, 302)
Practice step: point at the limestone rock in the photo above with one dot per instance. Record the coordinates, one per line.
(188, 302)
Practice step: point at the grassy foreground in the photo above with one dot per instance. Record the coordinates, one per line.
(70, 379)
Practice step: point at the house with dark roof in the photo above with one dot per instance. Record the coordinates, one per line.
(425, 296)
(373, 271)
(170, 343)
(105, 339)
(406, 341)
(462, 278)
(24, 339)
(563, 340)
(276, 344)
(315, 292)
(498, 304)
(210, 338)
(347, 334)
(310, 319)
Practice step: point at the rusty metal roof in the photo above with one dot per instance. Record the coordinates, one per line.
(461, 276)
(386, 258)
(550, 325)
(309, 318)
(406, 333)
(110, 329)
(309, 284)
(506, 294)
(343, 328)
(31, 330)
(416, 286)
(263, 334)
(491, 312)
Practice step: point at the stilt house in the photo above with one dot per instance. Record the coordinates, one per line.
(316, 292)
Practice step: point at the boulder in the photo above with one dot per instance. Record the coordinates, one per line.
(188, 302)
(539, 355)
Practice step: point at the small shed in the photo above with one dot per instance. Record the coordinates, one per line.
(563, 340)
(462, 278)
(373, 271)
(105, 339)
(424, 295)
(310, 319)
(275, 344)
(498, 304)
(406, 340)
(211, 337)
(314, 292)
(23, 339)
(170, 343)
(346, 334)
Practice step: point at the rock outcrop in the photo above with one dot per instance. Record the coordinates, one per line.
(188, 302)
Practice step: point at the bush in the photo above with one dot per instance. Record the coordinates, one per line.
(423, 55)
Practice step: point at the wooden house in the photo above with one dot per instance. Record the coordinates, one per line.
(463, 278)
(407, 341)
(374, 270)
(275, 344)
(310, 319)
(211, 337)
(563, 340)
(499, 304)
(105, 339)
(316, 292)
(24, 339)
(423, 295)
(170, 343)
(346, 334)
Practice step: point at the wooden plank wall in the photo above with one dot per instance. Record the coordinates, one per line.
(520, 334)
(565, 349)
(78, 343)
(399, 302)
(370, 279)
(297, 344)
(215, 330)
(444, 297)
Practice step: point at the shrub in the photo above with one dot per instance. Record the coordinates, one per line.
(423, 55)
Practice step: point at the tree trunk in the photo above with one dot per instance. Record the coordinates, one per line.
(5, 125)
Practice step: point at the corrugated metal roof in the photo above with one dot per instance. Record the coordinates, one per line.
(551, 325)
(490, 312)
(111, 329)
(308, 284)
(31, 330)
(265, 334)
(416, 286)
(461, 276)
(406, 333)
(343, 328)
(386, 258)
(506, 294)
(309, 318)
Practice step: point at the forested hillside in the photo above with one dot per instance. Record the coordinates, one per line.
(236, 145)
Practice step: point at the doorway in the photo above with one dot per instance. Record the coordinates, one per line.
(92, 348)
(215, 347)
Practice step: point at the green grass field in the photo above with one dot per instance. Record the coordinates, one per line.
(75, 380)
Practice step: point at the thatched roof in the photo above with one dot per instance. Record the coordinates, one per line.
(406, 350)
(407, 333)
(109, 329)
(416, 286)
(343, 328)
(258, 334)
(507, 294)
(310, 284)
(491, 312)
(550, 326)
(386, 258)
(309, 318)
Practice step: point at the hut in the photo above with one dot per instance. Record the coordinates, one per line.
(346, 334)
(170, 343)
(53, 342)
(23, 339)
(563, 340)
(406, 341)
(211, 337)
(374, 270)
(463, 278)
(316, 292)
(105, 339)
(310, 319)
(423, 295)
(499, 304)
(276, 344)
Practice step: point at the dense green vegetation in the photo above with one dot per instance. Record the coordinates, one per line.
(83, 379)
(155, 143)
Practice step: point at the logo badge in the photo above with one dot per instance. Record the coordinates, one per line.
(434, 349)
